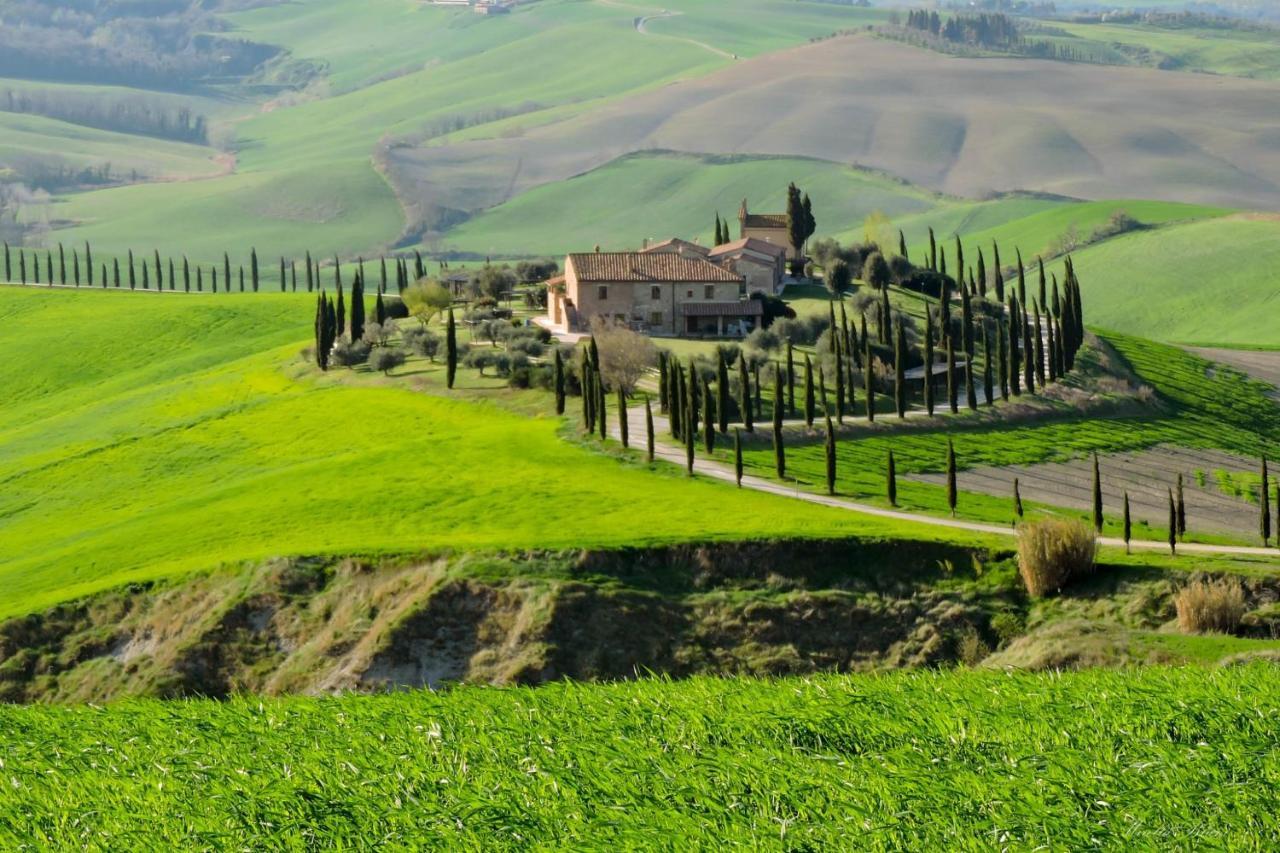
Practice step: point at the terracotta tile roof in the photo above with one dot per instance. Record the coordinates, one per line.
(657, 267)
(677, 243)
(554, 280)
(751, 244)
(765, 220)
(741, 308)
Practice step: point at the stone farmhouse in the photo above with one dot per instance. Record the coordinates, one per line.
(766, 227)
(667, 290)
(762, 264)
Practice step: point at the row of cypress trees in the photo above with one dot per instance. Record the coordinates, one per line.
(26, 265)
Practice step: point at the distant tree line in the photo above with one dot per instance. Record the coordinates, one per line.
(133, 113)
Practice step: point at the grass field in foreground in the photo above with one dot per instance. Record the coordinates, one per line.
(940, 760)
(184, 443)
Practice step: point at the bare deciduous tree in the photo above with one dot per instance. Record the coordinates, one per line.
(624, 355)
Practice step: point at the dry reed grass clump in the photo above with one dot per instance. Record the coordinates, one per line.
(1053, 552)
(1210, 606)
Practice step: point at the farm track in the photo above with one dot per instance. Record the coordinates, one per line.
(710, 468)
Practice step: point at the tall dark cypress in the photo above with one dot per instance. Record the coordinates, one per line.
(62, 265)
(951, 477)
(1097, 496)
(1173, 525)
(284, 279)
(891, 480)
(75, 266)
(970, 391)
(383, 281)
(588, 392)
(602, 406)
(1264, 516)
(758, 390)
(1039, 347)
(933, 251)
(8, 269)
(839, 365)
(226, 277)
(1128, 523)
(1052, 353)
(830, 448)
(240, 272)
(624, 433)
(673, 390)
(791, 381)
(308, 265)
(982, 274)
(1028, 351)
(1014, 338)
(559, 382)
(664, 382)
(145, 278)
(1042, 282)
(690, 425)
(22, 265)
(999, 274)
(648, 429)
(133, 281)
(293, 275)
(988, 381)
(115, 264)
(159, 270)
(1002, 356)
(779, 453)
(953, 393)
(379, 310)
(722, 395)
(172, 282)
(357, 308)
(48, 258)
(341, 309)
(451, 350)
(900, 369)
(1017, 498)
(869, 391)
(253, 268)
(928, 361)
(199, 279)
(744, 394)
(88, 262)
(186, 275)
(808, 392)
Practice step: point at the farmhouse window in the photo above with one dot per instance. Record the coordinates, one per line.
(602, 293)
(688, 294)
(709, 291)
(655, 293)
(655, 319)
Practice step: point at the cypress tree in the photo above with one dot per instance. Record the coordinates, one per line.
(104, 275)
(951, 478)
(839, 365)
(48, 258)
(722, 394)
(602, 421)
(186, 275)
(1039, 347)
(62, 265)
(693, 390)
(8, 270)
(664, 387)
(744, 393)
(240, 272)
(982, 274)
(226, 277)
(1014, 337)
(22, 265)
(559, 381)
(970, 392)
(779, 453)
(1040, 262)
(737, 457)
(673, 390)
(116, 270)
(1278, 509)
(1002, 356)
(808, 392)
(999, 276)
(1264, 515)
(648, 428)
(902, 246)
(933, 251)
(379, 310)
(214, 280)
(900, 369)
(1052, 350)
(199, 279)
(690, 428)
(928, 361)
(1017, 498)
(1097, 496)
(382, 287)
(342, 312)
(588, 393)
(1028, 362)
(791, 381)
(953, 393)
(357, 308)
(988, 382)
(307, 263)
(822, 392)
(253, 268)
(450, 349)
(293, 275)
(75, 266)
(886, 316)
(891, 481)
(830, 448)
(88, 262)
(159, 271)
(1128, 523)
(959, 259)
(172, 284)
(145, 278)
(1173, 526)
(623, 431)
(865, 342)
(868, 374)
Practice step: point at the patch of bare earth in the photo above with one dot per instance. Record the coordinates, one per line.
(1261, 365)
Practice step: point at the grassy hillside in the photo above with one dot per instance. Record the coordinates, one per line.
(190, 440)
(1206, 281)
(661, 194)
(935, 760)
(1237, 51)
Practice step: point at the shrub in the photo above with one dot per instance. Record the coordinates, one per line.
(421, 340)
(350, 354)
(1206, 606)
(1053, 553)
(385, 358)
(762, 340)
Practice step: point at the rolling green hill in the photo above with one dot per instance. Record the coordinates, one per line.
(196, 437)
(939, 760)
